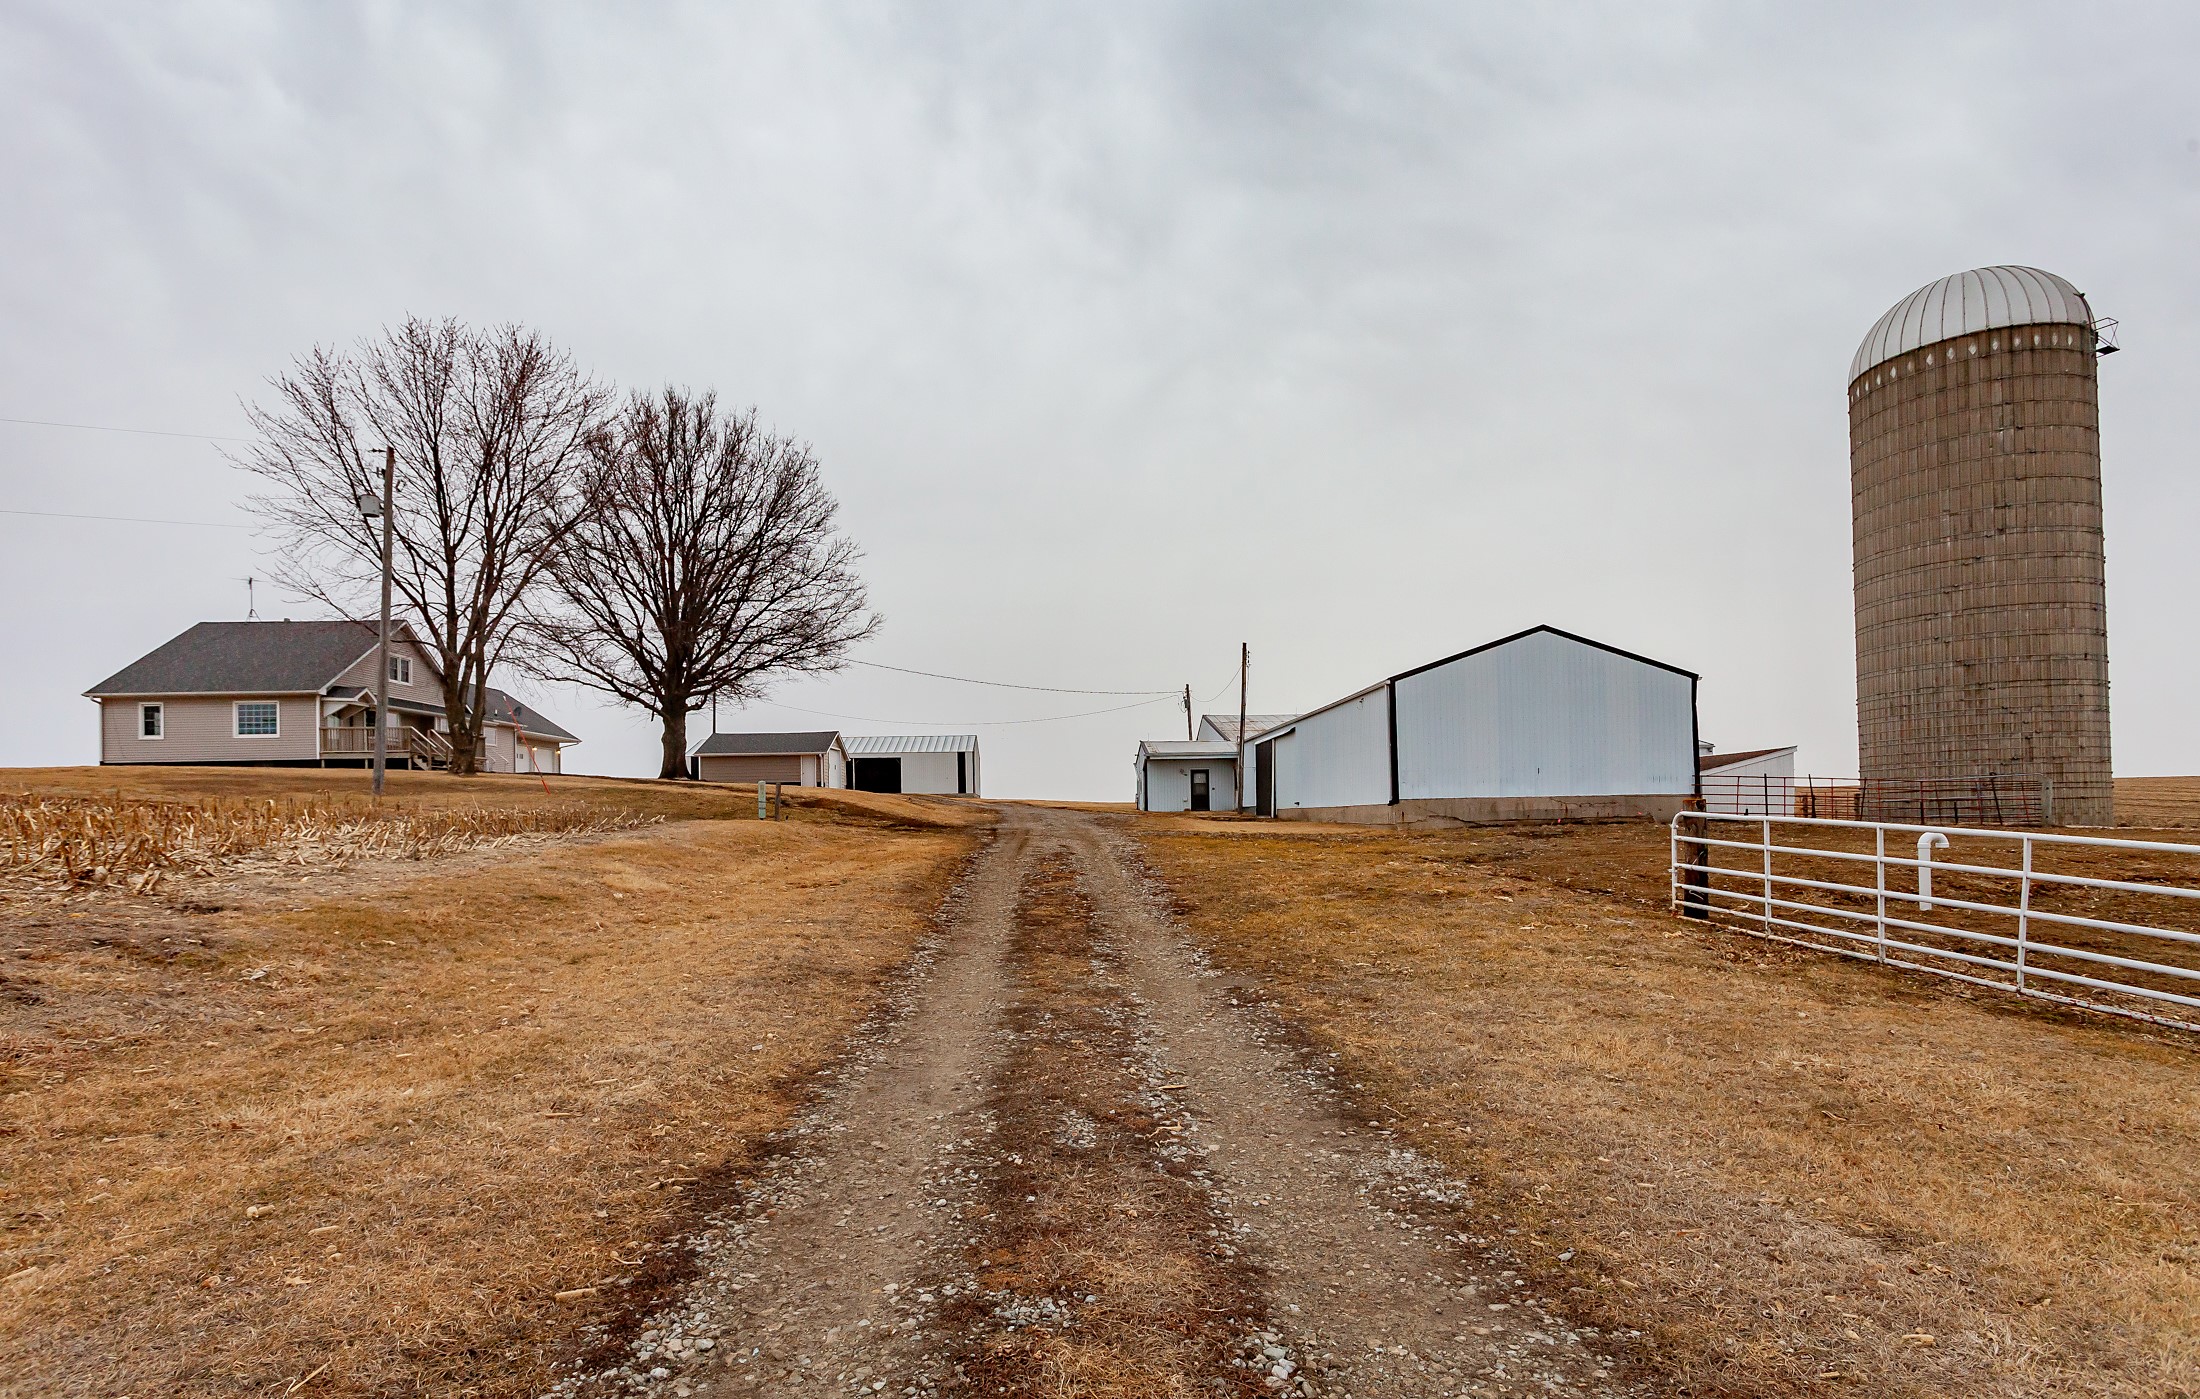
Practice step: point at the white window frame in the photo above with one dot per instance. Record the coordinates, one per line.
(159, 713)
(236, 719)
(401, 670)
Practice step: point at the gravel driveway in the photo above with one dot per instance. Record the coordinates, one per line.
(1074, 1159)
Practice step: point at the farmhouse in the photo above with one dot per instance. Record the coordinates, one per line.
(1540, 725)
(810, 759)
(301, 694)
(932, 765)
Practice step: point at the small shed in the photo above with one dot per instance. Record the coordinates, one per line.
(1174, 775)
(944, 765)
(817, 759)
(1756, 782)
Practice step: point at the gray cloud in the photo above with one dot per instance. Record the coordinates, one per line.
(1125, 332)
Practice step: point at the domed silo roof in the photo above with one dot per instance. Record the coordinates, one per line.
(1986, 298)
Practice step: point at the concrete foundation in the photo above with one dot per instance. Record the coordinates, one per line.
(1479, 811)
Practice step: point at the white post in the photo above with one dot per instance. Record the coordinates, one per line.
(760, 799)
(2024, 912)
(1879, 879)
(1926, 844)
(1768, 877)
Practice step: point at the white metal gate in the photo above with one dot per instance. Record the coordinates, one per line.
(2112, 925)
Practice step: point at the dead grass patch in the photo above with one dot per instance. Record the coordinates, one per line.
(1102, 1275)
(372, 1139)
(1794, 1173)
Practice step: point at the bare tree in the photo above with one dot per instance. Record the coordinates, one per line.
(490, 429)
(707, 564)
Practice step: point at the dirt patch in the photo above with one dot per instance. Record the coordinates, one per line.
(1792, 1173)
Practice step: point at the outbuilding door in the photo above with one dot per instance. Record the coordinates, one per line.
(875, 774)
(1264, 779)
(1199, 789)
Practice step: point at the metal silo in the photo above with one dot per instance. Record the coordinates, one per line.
(1981, 611)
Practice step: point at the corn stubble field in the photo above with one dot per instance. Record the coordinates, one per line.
(364, 1118)
(355, 1101)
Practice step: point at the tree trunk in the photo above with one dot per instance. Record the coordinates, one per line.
(676, 742)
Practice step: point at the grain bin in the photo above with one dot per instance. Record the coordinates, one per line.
(1981, 611)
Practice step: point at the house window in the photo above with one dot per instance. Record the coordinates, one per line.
(257, 719)
(151, 718)
(401, 670)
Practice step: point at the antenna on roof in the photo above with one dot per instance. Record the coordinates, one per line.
(251, 610)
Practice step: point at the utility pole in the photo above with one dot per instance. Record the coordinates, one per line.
(1188, 714)
(1245, 664)
(382, 669)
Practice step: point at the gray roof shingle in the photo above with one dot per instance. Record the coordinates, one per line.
(766, 745)
(503, 709)
(244, 658)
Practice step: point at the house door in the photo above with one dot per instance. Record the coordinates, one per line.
(1199, 789)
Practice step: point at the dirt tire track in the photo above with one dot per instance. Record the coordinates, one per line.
(855, 1266)
(1377, 1283)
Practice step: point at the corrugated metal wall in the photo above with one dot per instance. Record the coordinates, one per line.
(1339, 757)
(1169, 783)
(1544, 716)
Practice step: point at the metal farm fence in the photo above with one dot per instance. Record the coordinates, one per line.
(2111, 925)
(1995, 799)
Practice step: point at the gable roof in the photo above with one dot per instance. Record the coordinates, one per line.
(1277, 730)
(777, 745)
(1225, 725)
(247, 658)
(866, 745)
(503, 709)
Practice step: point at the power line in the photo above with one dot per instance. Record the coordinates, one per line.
(962, 723)
(135, 431)
(1005, 685)
(125, 519)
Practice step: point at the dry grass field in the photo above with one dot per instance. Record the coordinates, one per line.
(367, 1124)
(1794, 1173)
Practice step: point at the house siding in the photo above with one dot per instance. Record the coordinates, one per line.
(500, 749)
(202, 729)
(425, 689)
(750, 768)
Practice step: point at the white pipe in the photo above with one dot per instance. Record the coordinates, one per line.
(1926, 844)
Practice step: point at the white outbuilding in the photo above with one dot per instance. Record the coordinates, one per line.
(808, 759)
(1176, 775)
(929, 764)
(1540, 725)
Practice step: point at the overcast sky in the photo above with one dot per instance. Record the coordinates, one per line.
(1124, 332)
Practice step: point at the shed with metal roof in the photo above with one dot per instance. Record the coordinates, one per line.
(943, 765)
